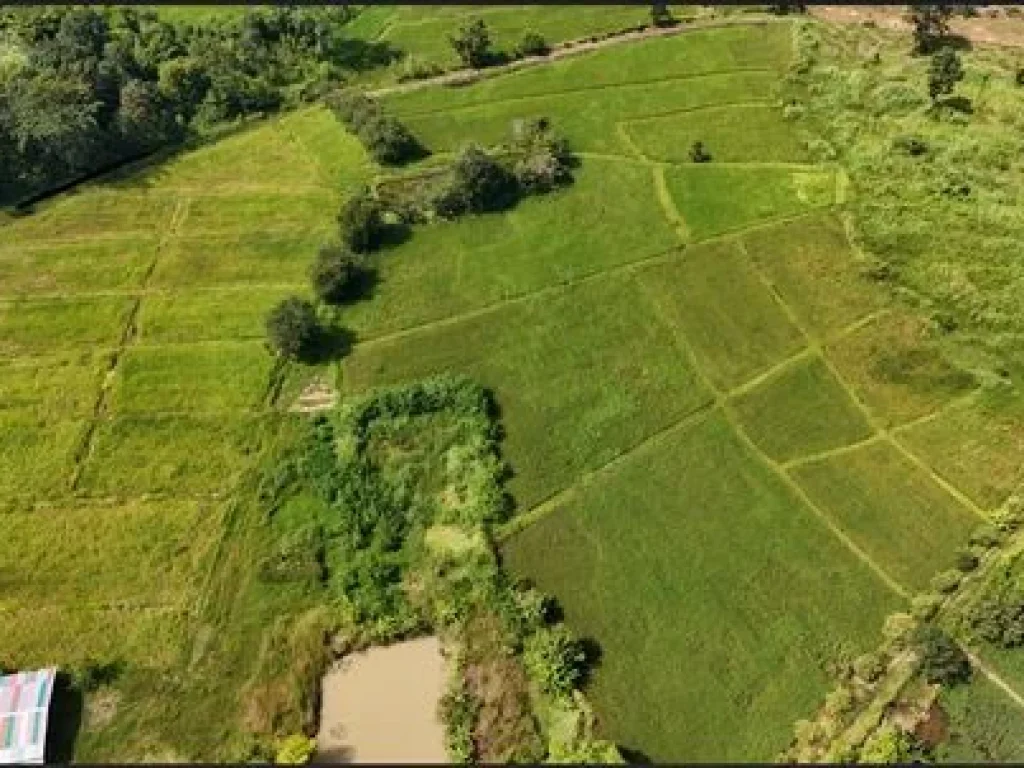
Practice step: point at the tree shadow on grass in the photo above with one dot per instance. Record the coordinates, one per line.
(65, 719)
(634, 756)
(331, 343)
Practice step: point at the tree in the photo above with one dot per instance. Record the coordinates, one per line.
(361, 222)
(335, 274)
(184, 83)
(944, 72)
(292, 327)
(532, 44)
(142, 115)
(931, 25)
(556, 660)
(473, 44)
(942, 659)
(660, 14)
(484, 183)
(698, 154)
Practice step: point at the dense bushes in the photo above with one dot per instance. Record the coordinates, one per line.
(942, 660)
(532, 44)
(478, 183)
(385, 138)
(292, 327)
(472, 44)
(88, 87)
(361, 222)
(336, 274)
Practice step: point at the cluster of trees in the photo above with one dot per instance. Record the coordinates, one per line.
(84, 88)
(385, 138)
(473, 45)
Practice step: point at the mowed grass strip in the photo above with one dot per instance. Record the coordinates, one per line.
(608, 217)
(338, 157)
(977, 445)
(192, 378)
(727, 315)
(587, 118)
(244, 212)
(699, 52)
(242, 258)
(92, 212)
(138, 551)
(897, 368)
(892, 509)
(716, 199)
(227, 314)
(184, 455)
(581, 375)
(985, 724)
(37, 457)
(752, 133)
(799, 411)
(700, 575)
(68, 268)
(816, 272)
(41, 326)
(426, 38)
(52, 388)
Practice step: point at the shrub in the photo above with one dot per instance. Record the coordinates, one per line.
(660, 15)
(555, 660)
(698, 154)
(335, 274)
(472, 44)
(912, 145)
(942, 659)
(869, 667)
(458, 711)
(532, 44)
(986, 535)
(966, 561)
(292, 327)
(386, 139)
(1019, 77)
(481, 182)
(924, 607)
(296, 749)
(946, 582)
(887, 745)
(362, 223)
(944, 72)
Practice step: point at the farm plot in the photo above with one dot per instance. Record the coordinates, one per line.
(985, 726)
(751, 133)
(978, 445)
(234, 313)
(705, 597)
(897, 369)
(52, 388)
(800, 410)
(42, 326)
(37, 456)
(716, 199)
(891, 508)
(811, 265)
(581, 375)
(456, 267)
(70, 267)
(700, 293)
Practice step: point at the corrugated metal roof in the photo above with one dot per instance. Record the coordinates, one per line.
(24, 709)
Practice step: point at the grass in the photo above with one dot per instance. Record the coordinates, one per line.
(897, 368)
(235, 313)
(450, 268)
(716, 199)
(40, 327)
(811, 265)
(619, 376)
(235, 259)
(52, 388)
(730, 346)
(192, 378)
(892, 510)
(182, 455)
(799, 411)
(755, 133)
(985, 725)
(37, 456)
(977, 445)
(699, 574)
(74, 267)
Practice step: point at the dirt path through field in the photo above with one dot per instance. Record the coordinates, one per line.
(572, 48)
(380, 706)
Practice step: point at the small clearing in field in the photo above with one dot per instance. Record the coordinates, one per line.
(380, 706)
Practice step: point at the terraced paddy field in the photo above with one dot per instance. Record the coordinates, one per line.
(726, 441)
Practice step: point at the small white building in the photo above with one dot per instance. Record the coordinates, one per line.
(24, 710)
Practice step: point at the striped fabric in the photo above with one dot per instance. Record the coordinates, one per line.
(24, 705)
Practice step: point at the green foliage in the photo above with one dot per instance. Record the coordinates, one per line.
(336, 274)
(386, 139)
(924, 607)
(870, 666)
(296, 749)
(361, 222)
(946, 582)
(698, 154)
(942, 659)
(478, 183)
(555, 659)
(931, 26)
(472, 44)
(458, 711)
(987, 535)
(887, 745)
(966, 561)
(944, 72)
(661, 16)
(292, 327)
(532, 44)
(544, 158)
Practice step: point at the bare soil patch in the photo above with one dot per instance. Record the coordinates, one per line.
(381, 705)
(992, 25)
